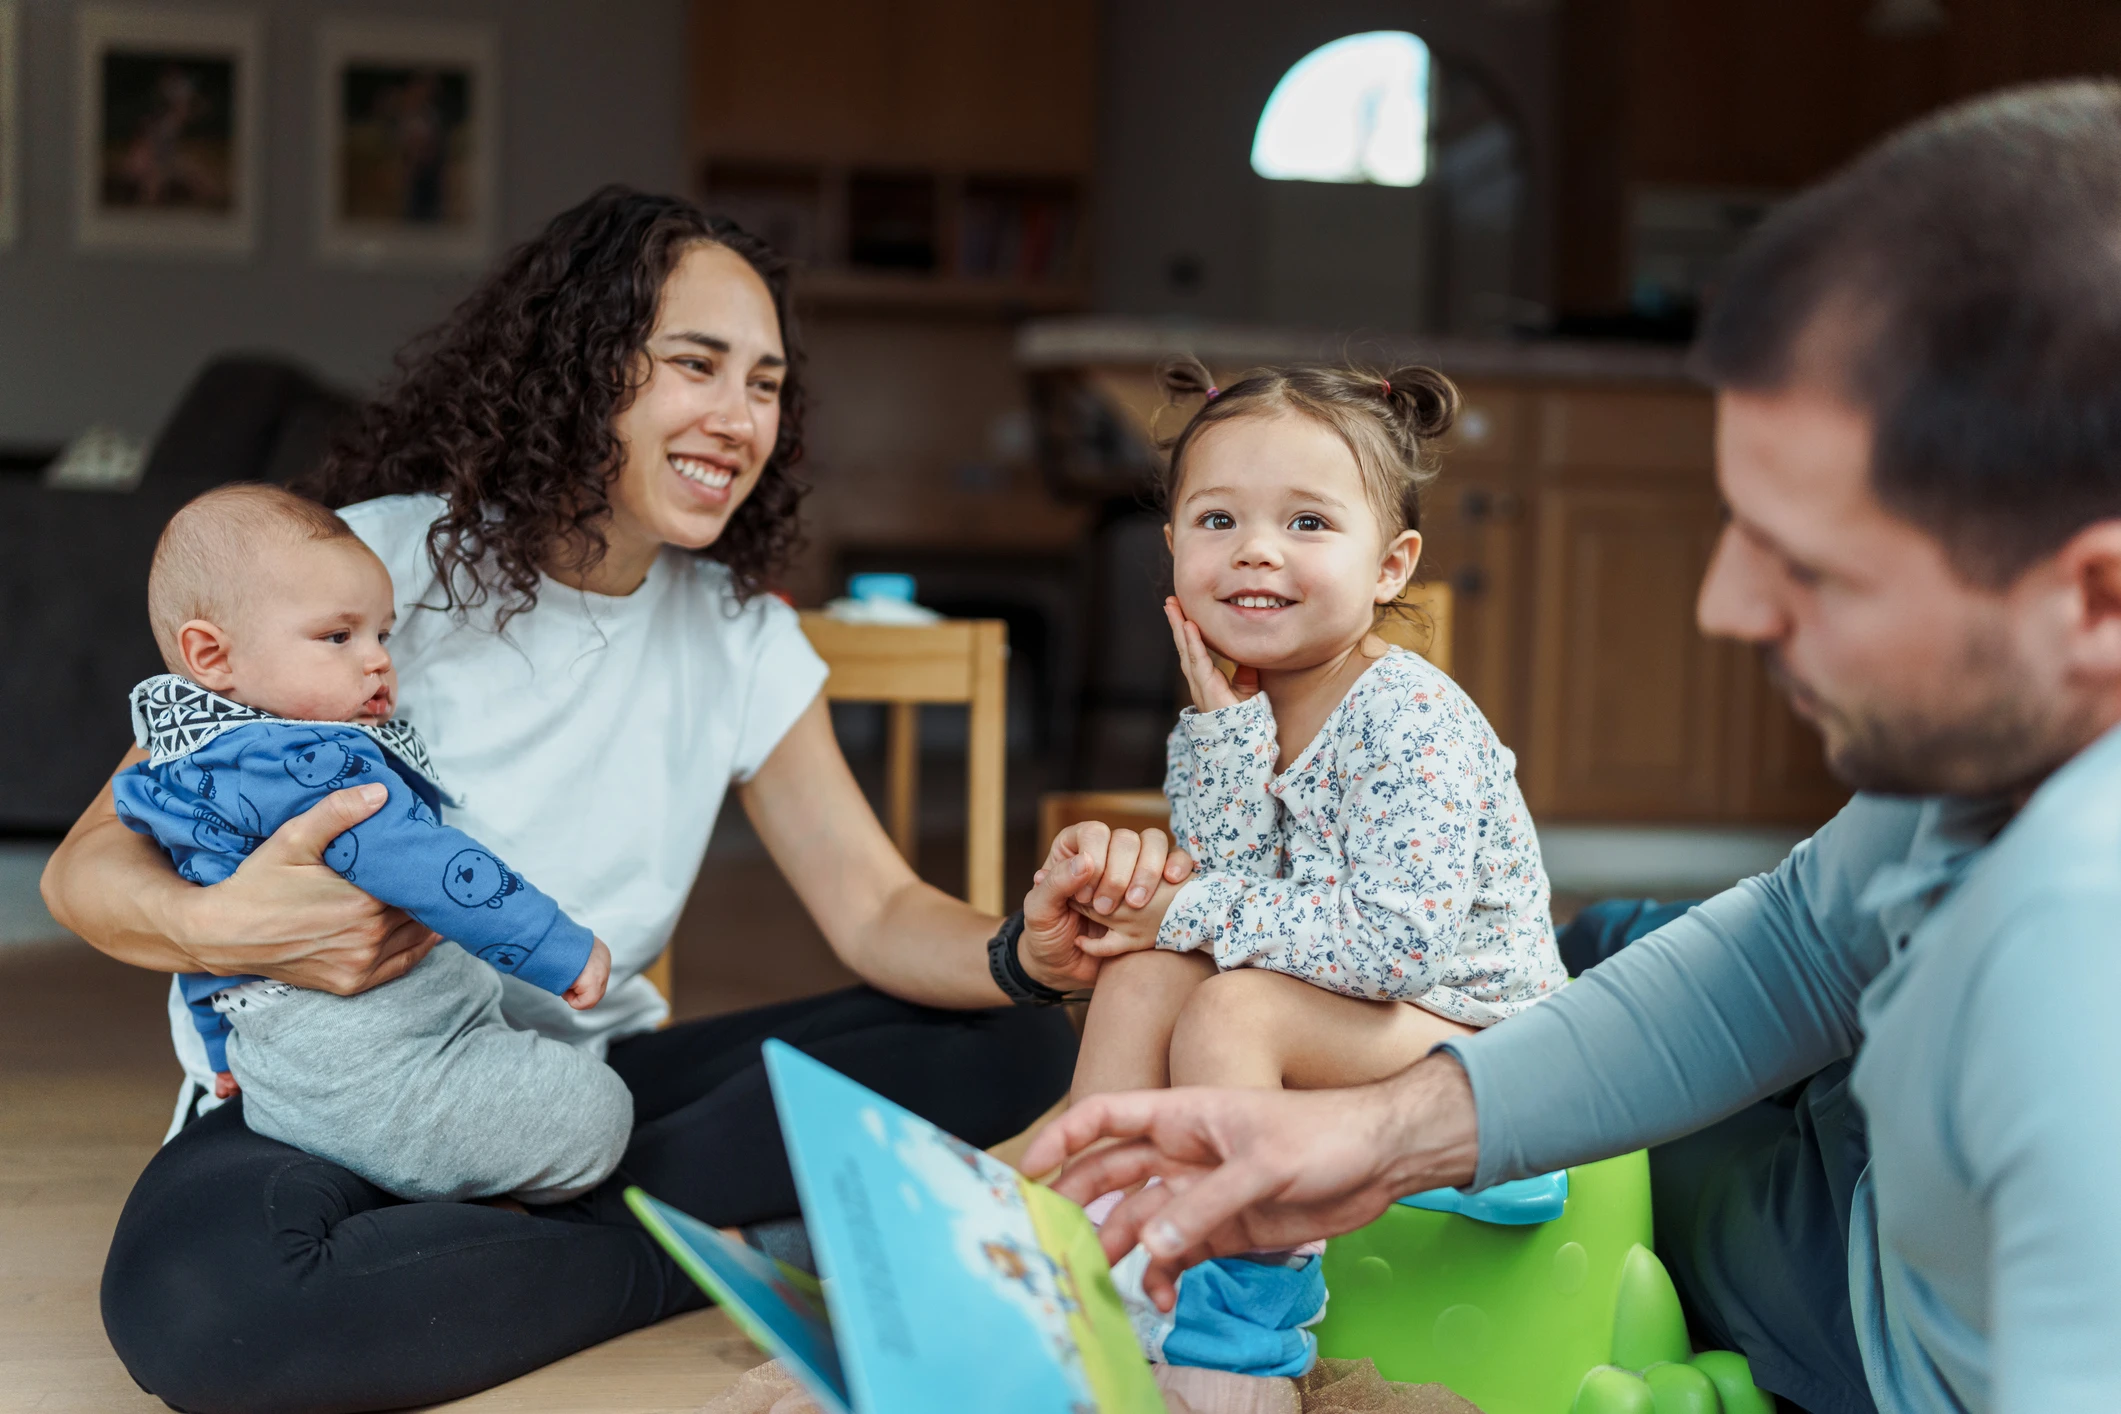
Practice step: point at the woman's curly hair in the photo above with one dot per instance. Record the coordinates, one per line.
(508, 408)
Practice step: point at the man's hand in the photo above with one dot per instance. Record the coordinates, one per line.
(1095, 866)
(285, 914)
(588, 989)
(1249, 1169)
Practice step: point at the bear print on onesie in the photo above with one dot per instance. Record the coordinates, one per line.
(324, 765)
(221, 777)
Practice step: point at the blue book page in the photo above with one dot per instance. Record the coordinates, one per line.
(943, 1295)
(777, 1314)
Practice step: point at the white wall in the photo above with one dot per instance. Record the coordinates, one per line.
(1184, 82)
(590, 92)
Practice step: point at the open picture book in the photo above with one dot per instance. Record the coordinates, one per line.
(947, 1279)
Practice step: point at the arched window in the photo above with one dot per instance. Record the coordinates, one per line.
(1355, 110)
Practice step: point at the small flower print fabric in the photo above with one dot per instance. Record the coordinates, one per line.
(1393, 860)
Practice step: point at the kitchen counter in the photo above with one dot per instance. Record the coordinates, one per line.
(1100, 340)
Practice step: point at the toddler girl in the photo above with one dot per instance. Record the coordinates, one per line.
(1369, 882)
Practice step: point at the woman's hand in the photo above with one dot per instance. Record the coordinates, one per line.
(904, 936)
(1211, 690)
(285, 914)
(1091, 869)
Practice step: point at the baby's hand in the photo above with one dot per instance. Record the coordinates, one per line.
(225, 1086)
(1211, 690)
(1128, 929)
(588, 989)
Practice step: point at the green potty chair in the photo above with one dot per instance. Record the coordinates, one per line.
(1536, 1297)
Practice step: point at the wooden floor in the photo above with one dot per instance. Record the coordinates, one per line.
(86, 1085)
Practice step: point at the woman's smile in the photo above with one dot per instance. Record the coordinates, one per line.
(707, 478)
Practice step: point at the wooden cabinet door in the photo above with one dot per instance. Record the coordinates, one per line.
(1474, 539)
(1628, 698)
(1474, 531)
(1778, 764)
(951, 84)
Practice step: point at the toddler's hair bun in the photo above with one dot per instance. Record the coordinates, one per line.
(1185, 377)
(1389, 421)
(1425, 401)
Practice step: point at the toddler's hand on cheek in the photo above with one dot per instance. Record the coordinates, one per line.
(1211, 690)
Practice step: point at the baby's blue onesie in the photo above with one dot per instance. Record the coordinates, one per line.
(221, 777)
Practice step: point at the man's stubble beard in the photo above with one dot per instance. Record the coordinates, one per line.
(1986, 734)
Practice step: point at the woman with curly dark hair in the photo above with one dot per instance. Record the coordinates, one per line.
(581, 484)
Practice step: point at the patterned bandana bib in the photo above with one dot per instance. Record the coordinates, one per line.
(174, 716)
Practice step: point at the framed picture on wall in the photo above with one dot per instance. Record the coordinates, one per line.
(166, 131)
(408, 117)
(10, 122)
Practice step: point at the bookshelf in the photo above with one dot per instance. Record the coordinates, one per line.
(913, 238)
(906, 154)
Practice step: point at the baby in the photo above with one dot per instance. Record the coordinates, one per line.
(1369, 883)
(272, 617)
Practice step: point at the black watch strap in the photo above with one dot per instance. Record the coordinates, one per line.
(1007, 965)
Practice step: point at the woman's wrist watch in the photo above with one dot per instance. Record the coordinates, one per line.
(1007, 965)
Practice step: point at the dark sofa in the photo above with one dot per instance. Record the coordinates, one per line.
(73, 577)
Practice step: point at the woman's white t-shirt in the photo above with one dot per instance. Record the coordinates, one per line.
(588, 744)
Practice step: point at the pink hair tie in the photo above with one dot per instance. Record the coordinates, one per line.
(1388, 386)
(1212, 391)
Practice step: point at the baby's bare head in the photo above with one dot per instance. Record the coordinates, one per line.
(271, 599)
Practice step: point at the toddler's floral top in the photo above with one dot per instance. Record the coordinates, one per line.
(1394, 859)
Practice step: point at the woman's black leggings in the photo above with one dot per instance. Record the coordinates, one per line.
(247, 1275)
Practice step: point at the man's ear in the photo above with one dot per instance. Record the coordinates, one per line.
(203, 649)
(1397, 566)
(2092, 560)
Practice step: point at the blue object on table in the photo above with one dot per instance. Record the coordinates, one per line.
(1520, 1203)
(869, 588)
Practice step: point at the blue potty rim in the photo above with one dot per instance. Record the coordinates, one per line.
(1519, 1203)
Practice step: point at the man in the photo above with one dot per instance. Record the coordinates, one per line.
(1894, 1056)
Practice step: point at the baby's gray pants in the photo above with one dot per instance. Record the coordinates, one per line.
(422, 1088)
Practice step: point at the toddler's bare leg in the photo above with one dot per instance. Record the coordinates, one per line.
(1267, 1030)
(1127, 1036)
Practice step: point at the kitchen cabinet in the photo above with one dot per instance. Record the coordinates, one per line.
(907, 84)
(1576, 525)
(911, 156)
(1476, 526)
(1628, 698)
(1778, 770)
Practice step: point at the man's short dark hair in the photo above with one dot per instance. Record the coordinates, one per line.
(1961, 282)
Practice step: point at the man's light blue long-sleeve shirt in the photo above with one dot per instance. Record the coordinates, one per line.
(1971, 962)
